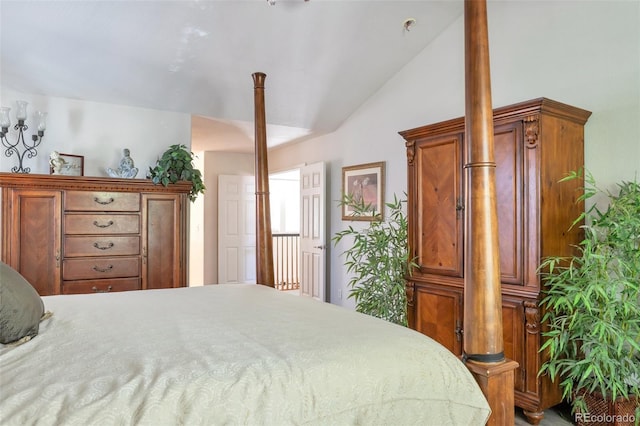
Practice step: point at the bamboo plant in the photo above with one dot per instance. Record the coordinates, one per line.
(379, 262)
(592, 301)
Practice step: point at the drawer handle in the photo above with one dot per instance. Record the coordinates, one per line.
(109, 201)
(97, 290)
(99, 225)
(99, 247)
(107, 269)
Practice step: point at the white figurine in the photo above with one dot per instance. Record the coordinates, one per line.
(56, 162)
(126, 169)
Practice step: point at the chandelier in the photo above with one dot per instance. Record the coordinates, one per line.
(21, 148)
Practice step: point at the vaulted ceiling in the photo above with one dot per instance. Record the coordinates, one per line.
(323, 58)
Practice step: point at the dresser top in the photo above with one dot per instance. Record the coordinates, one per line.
(87, 183)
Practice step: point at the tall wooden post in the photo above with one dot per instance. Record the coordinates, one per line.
(264, 241)
(483, 339)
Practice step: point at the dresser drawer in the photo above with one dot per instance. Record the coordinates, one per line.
(100, 267)
(101, 201)
(101, 245)
(96, 224)
(100, 286)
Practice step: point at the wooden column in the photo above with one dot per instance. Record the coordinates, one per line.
(483, 347)
(264, 241)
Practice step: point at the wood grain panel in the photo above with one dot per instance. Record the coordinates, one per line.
(508, 157)
(162, 249)
(512, 320)
(101, 201)
(438, 315)
(100, 286)
(100, 268)
(439, 230)
(106, 245)
(35, 238)
(93, 224)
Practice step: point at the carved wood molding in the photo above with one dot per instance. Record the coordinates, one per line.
(410, 291)
(520, 111)
(531, 131)
(411, 151)
(532, 317)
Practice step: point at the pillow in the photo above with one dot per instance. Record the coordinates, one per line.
(21, 307)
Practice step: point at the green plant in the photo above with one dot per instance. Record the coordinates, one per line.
(176, 164)
(592, 301)
(379, 261)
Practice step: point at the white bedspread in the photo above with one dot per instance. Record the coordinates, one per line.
(228, 354)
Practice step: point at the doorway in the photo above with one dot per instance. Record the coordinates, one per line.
(236, 228)
(284, 188)
(298, 221)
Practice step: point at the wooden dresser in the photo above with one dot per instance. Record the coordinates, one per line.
(536, 144)
(68, 234)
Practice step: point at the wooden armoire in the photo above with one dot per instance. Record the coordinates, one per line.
(537, 143)
(73, 234)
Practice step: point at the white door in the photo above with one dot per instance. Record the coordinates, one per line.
(236, 229)
(312, 231)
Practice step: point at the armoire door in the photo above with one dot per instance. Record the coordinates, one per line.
(162, 242)
(513, 338)
(33, 241)
(510, 192)
(437, 235)
(438, 314)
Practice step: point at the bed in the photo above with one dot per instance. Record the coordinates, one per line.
(248, 354)
(228, 354)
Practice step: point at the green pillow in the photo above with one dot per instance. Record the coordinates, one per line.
(21, 307)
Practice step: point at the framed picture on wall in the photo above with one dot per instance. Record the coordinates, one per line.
(66, 164)
(364, 183)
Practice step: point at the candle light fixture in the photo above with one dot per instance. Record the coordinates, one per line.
(21, 148)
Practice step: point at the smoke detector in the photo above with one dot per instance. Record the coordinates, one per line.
(408, 23)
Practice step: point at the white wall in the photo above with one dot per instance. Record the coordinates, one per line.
(196, 230)
(98, 131)
(585, 54)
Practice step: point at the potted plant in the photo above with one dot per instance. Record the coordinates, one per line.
(176, 164)
(592, 310)
(379, 260)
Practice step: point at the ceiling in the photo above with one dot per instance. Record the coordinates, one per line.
(323, 58)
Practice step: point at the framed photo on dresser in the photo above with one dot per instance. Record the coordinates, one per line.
(70, 165)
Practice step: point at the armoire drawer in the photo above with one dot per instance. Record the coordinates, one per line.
(100, 286)
(93, 224)
(101, 201)
(100, 267)
(101, 245)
